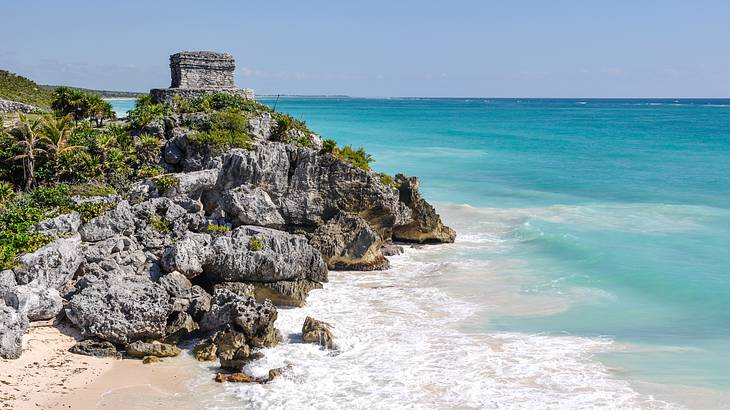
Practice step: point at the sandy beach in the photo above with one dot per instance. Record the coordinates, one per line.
(48, 376)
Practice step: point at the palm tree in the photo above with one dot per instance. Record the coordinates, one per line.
(27, 140)
(56, 133)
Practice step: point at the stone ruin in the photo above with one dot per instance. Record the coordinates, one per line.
(196, 73)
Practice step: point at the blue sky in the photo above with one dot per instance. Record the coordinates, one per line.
(618, 48)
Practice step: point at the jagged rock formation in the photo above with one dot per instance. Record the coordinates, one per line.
(195, 73)
(238, 233)
(14, 106)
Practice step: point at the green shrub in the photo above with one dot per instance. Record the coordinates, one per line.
(146, 112)
(216, 229)
(160, 224)
(255, 244)
(90, 210)
(148, 149)
(224, 101)
(329, 146)
(165, 183)
(89, 190)
(7, 192)
(225, 130)
(358, 158)
(389, 181)
(149, 171)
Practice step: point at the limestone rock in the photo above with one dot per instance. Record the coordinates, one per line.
(206, 350)
(249, 206)
(315, 331)
(95, 348)
(187, 255)
(282, 256)
(426, 225)
(140, 349)
(151, 359)
(347, 242)
(12, 328)
(180, 326)
(237, 377)
(255, 321)
(120, 309)
(284, 292)
(35, 302)
(239, 288)
(233, 351)
(60, 225)
(52, 265)
(118, 221)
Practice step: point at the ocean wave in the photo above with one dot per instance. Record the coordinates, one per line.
(398, 346)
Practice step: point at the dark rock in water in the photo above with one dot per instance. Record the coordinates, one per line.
(35, 302)
(51, 266)
(277, 256)
(12, 328)
(240, 377)
(284, 292)
(426, 225)
(315, 331)
(140, 349)
(348, 243)
(206, 350)
(233, 351)
(96, 348)
(121, 309)
(237, 378)
(151, 359)
(254, 320)
(391, 249)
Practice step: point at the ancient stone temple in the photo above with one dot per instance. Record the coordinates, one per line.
(195, 73)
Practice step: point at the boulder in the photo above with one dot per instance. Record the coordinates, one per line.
(426, 225)
(206, 350)
(255, 321)
(140, 349)
(315, 331)
(250, 206)
(121, 309)
(60, 225)
(239, 288)
(284, 292)
(151, 360)
(233, 351)
(35, 302)
(12, 328)
(7, 281)
(258, 254)
(194, 183)
(180, 326)
(347, 242)
(118, 221)
(95, 348)
(308, 187)
(187, 255)
(237, 377)
(51, 266)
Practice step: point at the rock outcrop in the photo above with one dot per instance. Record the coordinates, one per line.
(51, 266)
(426, 225)
(315, 331)
(12, 328)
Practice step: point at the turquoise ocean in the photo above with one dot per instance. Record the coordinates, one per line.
(591, 268)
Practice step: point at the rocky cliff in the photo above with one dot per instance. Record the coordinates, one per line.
(212, 250)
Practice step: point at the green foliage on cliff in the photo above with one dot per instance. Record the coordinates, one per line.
(255, 244)
(215, 229)
(225, 130)
(388, 180)
(165, 183)
(19, 215)
(18, 88)
(160, 224)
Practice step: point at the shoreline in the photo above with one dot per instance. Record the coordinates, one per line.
(48, 376)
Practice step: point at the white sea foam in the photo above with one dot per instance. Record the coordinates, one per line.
(398, 346)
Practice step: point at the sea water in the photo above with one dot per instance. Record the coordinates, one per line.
(591, 267)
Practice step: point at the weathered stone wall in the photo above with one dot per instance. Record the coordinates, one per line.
(166, 95)
(202, 69)
(14, 106)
